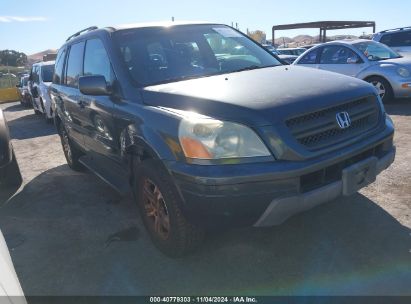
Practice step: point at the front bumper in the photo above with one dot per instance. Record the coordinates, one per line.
(401, 87)
(282, 208)
(264, 194)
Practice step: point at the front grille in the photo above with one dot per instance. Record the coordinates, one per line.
(319, 129)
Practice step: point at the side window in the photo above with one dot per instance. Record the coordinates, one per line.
(96, 61)
(36, 77)
(58, 71)
(310, 57)
(74, 64)
(386, 39)
(336, 54)
(401, 39)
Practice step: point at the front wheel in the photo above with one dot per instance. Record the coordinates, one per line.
(159, 203)
(383, 88)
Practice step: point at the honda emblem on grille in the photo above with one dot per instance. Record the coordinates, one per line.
(343, 120)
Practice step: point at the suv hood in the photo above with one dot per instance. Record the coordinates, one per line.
(264, 96)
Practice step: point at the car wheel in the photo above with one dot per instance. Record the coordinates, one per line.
(159, 202)
(383, 88)
(48, 119)
(37, 112)
(71, 152)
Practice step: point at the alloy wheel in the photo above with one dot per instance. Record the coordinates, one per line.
(380, 88)
(156, 209)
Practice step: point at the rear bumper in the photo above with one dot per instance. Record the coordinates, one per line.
(264, 194)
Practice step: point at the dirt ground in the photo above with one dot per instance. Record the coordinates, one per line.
(70, 234)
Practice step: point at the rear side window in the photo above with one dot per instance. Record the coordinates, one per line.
(96, 61)
(310, 57)
(36, 74)
(58, 72)
(334, 54)
(74, 64)
(397, 39)
(47, 73)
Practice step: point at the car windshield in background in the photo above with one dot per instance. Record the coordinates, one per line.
(159, 55)
(375, 51)
(47, 72)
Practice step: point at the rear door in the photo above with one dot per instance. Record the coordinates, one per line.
(340, 59)
(70, 94)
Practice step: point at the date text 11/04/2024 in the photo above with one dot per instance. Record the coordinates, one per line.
(203, 300)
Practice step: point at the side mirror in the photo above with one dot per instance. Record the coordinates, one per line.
(93, 85)
(353, 60)
(18, 85)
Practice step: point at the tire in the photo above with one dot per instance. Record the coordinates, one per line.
(37, 112)
(158, 201)
(48, 120)
(71, 152)
(383, 86)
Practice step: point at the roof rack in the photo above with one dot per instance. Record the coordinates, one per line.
(396, 29)
(91, 28)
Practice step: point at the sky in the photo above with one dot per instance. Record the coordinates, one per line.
(33, 26)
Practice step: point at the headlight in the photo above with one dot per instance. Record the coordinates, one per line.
(403, 72)
(202, 137)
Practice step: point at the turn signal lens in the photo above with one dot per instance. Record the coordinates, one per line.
(194, 149)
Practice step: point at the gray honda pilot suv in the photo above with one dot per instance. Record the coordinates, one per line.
(208, 129)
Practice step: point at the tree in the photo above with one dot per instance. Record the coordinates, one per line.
(12, 58)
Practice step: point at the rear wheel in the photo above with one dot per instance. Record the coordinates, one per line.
(383, 88)
(48, 120)
(71, 152)
(159, 203)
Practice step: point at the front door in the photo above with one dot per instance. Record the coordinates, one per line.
(100, 138)
(70, 95)
(340, 59)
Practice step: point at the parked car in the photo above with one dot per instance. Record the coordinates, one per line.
(309, 46)
(10, 288)
(25, 96)
(371, 61)
(40, 79)
(291, 51)
(205, 140)
(285, 59)
(10, 176)
(398, 39)
(288, 59)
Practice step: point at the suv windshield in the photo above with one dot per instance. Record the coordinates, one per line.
(156, 55)
(47, 72)
(375, 51)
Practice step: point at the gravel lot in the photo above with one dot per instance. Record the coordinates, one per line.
(70, 234)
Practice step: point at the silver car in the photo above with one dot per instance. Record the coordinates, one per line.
(371, 61)
(398, 39)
